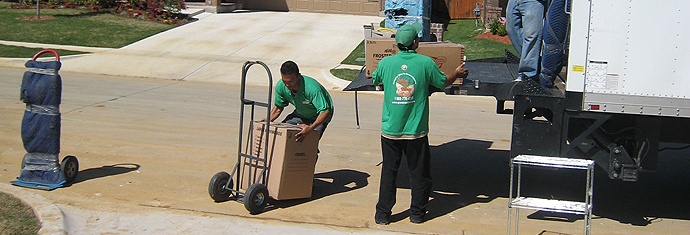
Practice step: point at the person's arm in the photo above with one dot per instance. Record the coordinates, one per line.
(306, 129)
(279, 102)
(460, 72)
(275, 113)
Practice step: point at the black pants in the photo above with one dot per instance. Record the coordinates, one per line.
(417, 155)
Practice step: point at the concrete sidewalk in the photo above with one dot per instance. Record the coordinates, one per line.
(214, 48)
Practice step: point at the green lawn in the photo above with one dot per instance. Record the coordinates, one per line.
(16, 218)
(71, 27)
(459, 31)
(27, 52)
(75, 27)
(464, 31)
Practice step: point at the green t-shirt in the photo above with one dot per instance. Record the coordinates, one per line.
(310, 99)
(406, 77)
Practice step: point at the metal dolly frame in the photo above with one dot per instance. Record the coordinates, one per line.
(551, 205)
(221, 187)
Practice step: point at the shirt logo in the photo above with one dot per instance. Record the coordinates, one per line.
(404, 88)
(403, 67)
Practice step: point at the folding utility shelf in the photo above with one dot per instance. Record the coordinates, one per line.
(550, 205)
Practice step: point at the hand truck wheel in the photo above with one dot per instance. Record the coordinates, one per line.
(256, 198)
(69, 168)
(217, 188)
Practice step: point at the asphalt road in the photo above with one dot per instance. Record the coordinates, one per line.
(148, 148)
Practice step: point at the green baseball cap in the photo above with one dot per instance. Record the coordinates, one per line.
(407, 33)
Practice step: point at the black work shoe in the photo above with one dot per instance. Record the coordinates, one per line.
(382, 219)
(417, 220)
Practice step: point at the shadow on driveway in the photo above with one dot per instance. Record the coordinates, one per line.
(105, 171)
(330, 183)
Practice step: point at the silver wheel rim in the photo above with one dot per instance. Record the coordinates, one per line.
(259, 199)
(71, 169)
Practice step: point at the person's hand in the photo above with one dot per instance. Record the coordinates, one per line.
(461, 72)
(306, 130)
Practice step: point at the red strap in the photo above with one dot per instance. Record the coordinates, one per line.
(57, 57)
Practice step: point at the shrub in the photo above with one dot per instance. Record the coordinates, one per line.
(164, 11)
(498, 28)
(103, 4)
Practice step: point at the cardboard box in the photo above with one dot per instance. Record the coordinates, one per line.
(375, 49)
(291, 164)
(437, 30)
(447, 55)
(375, 31)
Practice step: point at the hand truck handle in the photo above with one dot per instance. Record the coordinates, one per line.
(57, 57)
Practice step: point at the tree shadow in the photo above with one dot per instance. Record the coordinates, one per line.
(81, 14)
(105, 171)
(330, 183)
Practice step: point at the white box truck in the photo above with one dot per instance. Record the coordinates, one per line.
(627, 88)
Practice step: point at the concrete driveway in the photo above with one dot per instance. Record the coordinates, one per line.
(214, 48)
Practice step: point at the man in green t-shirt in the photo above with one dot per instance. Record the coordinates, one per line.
(313, 104)
(406, 77)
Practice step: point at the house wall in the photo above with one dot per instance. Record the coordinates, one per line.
(353, 7)
(457, 9)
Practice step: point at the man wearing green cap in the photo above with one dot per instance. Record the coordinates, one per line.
(406, 77)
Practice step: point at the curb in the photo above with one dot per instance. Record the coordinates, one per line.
(338, 82)
(56, 46)
(51, 217)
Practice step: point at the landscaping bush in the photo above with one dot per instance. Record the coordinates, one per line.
(162, 11)
(498, 28)
(50, 4)
(103, 4)
(165, 11)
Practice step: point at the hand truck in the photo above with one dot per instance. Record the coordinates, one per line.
(251, 168)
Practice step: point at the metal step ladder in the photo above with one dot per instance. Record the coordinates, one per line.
(551, 205)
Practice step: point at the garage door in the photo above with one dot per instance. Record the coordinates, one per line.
(354, 7)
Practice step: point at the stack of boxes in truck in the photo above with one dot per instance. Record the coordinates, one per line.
(291, 164)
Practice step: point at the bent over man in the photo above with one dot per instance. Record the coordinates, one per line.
(313, 104)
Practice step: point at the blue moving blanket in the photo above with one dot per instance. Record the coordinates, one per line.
(555, 32)
(41, 90)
